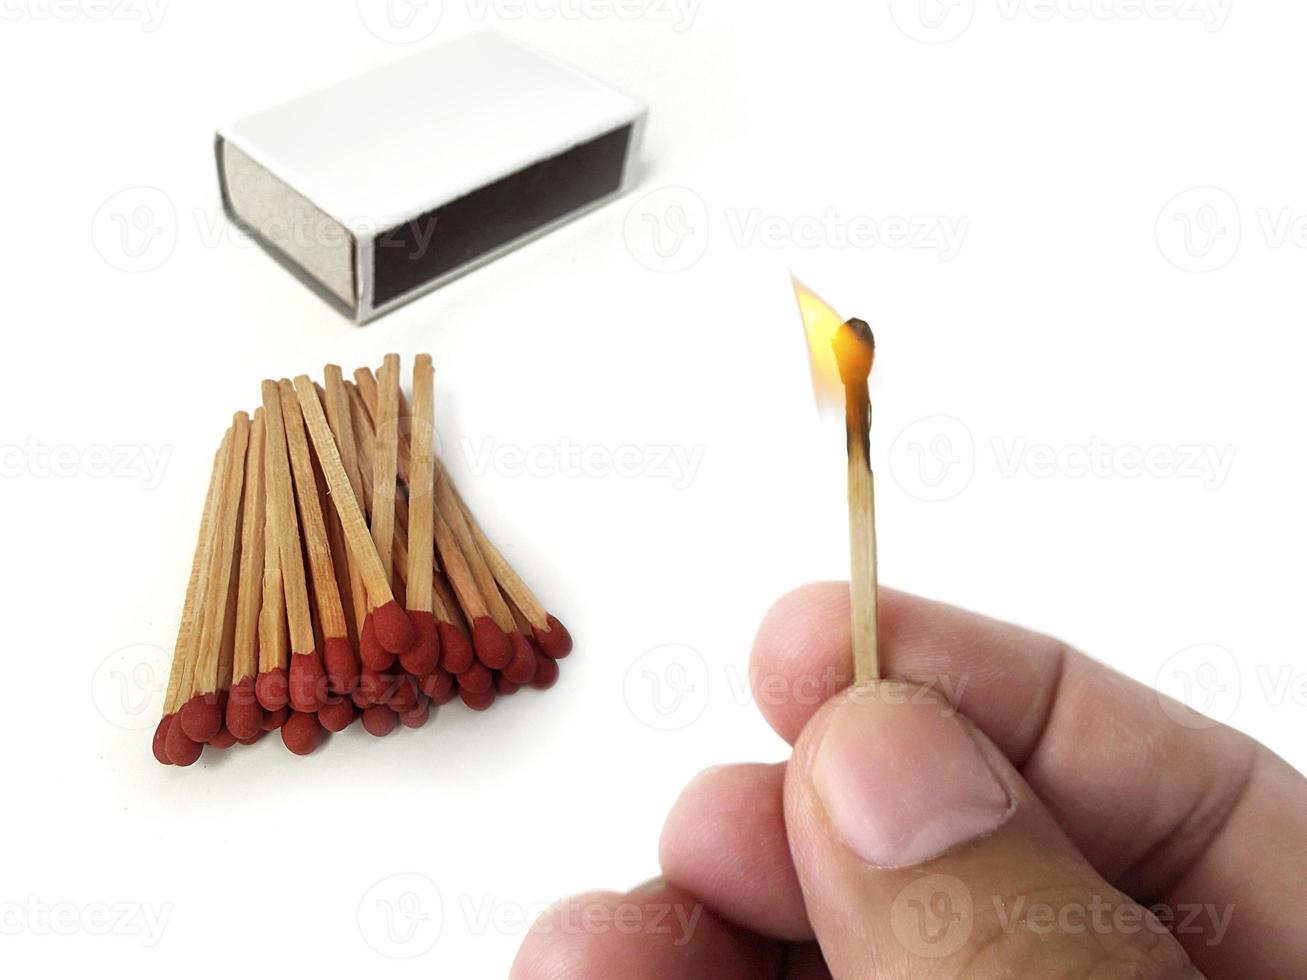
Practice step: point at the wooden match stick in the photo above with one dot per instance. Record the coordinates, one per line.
(244, 715)
(393, 630)
(309, 682)
(483, 605)
(202, 716)
(187, 632)
(456, 655)
(855, 349)
(273, 687)
(274, 638)
(424, 657)
(339, 417)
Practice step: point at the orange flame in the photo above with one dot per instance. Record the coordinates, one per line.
(822, 325)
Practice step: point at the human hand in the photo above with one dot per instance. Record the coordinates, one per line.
(1014, 815)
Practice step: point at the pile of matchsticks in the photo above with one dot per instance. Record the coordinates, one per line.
(324, 511)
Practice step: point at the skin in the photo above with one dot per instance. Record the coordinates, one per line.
(757, 881)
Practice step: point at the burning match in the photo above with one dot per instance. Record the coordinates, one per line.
(842, 352)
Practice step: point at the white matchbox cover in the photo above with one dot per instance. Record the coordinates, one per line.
(385, 186)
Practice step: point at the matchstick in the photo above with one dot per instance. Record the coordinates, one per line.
(482, 603)
(187, 635)
(339, 418)
(855, 349)
(244, 715)
(309, 683)
(382, 511)
(424, 656)
(392, 628)
(456, 653)
(450, 601)
(201, 717)
(274, 640)
(273, 688)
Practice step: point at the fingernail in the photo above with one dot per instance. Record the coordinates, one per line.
(902, 780)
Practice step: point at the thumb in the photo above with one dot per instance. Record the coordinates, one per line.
(922, 852)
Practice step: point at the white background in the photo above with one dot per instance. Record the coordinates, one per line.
(1088, 305)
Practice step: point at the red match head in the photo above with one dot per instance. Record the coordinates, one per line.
(477, 701)
(424, 655)
(160, 744)
(476, 679)
(392, 626)
(437, 684)
(491, 643)
(253, 739)
(455, 649)
(301, 733)
(244, 714)
(272, 689)
(341, 664)
(373, 687)
(374, 656)
(546, 673)
(308, 682)
(522, 668)
(379, 720)
(182, 751)
(201, 717)
(337, 714)
(555, 642)
(403, 695)
(223, 740)
(272, 720)
(416, 716)
(504, 687)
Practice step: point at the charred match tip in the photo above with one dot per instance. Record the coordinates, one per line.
(272, 689)
(491, 643)
(456, 653)
(855, 349)
(371, 652)
(341, 665)
(393, 629)
(424, 656)
(302, 732)
(337, 715)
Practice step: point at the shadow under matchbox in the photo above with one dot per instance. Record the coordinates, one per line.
(385, 186)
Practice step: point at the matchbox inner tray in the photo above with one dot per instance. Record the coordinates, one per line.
(383, 187)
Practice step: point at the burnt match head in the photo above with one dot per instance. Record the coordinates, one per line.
(855, 349)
